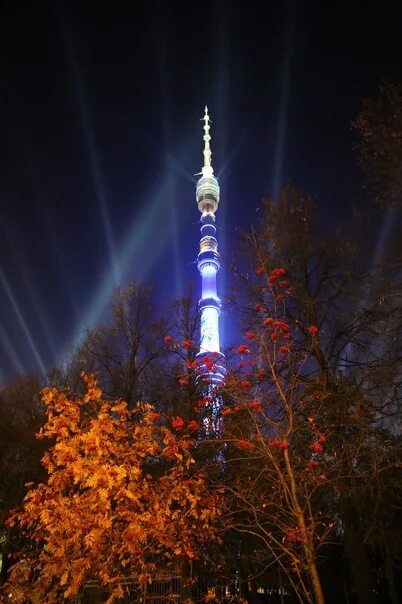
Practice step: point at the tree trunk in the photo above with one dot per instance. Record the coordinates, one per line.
(316, 583)
(307, 541)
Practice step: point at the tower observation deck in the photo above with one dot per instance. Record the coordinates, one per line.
(208, 261)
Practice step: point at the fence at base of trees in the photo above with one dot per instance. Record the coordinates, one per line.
(171, 589)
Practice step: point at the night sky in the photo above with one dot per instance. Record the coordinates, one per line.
(101, 138)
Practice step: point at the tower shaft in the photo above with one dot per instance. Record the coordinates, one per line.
(208, 260)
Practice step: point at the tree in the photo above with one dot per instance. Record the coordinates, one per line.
(379, 126)
(138, 357)
(21, 415)
(123, 350)
(122, 497)
(355, 357)
(277, 445)
(176, 387)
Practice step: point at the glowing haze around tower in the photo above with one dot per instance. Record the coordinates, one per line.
(208, 261)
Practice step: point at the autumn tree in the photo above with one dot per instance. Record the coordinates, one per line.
(277, 445)
(139, 357)
(354, 357)
(121, 499)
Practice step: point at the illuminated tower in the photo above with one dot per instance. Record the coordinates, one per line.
(208, 262)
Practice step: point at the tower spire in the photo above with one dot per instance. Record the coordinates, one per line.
(207, 148)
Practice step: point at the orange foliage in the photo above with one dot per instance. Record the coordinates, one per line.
(178, 423)
(121, 493)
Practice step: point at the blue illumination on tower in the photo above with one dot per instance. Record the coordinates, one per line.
(208, 262)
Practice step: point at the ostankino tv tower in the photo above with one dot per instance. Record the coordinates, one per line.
(208, 263)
